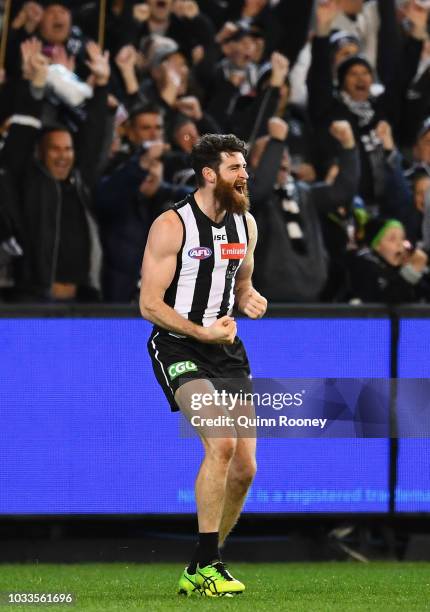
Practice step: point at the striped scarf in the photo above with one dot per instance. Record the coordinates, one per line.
(363, 110)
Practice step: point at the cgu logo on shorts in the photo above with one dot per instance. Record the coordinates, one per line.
(200, 252)
(233, 250)
(180, 367)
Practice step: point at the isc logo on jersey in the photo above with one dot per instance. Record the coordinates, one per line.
(200, 252)
(180, 367)
(233, 250)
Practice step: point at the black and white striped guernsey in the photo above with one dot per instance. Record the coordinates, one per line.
(202, 289)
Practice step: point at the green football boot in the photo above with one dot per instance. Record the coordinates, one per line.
(215, 580)
(187, 584)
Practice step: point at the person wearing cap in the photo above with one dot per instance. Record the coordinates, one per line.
(243, 97)
(183, 22)
(343, 45)
(168, 85)
(236, 74)
(387, 270)
(169, 73)
(353, 99)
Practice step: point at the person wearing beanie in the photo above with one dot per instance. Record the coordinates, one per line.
(387, 269)
(357, 90)
(354, 98)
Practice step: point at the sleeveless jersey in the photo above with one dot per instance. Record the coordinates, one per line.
(202, 289)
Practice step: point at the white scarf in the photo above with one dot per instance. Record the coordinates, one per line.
(363, 110)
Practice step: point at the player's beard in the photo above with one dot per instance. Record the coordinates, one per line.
(232, 198)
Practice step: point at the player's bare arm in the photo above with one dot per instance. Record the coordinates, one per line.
(248, 300)
(158, 270)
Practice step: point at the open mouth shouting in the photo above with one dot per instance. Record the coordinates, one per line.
(240, 188)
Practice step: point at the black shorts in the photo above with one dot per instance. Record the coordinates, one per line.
(175, 359)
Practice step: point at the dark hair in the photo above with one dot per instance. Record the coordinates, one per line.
(207, 152)
(349, 62)
(148, 108)
(48, 128)
(419, 174)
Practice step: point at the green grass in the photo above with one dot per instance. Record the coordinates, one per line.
(298, 587)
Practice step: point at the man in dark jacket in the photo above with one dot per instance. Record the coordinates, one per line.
(128, 201)
(59, 235)
(10, 249)
(291, 261)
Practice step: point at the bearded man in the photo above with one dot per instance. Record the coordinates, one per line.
(198, 263)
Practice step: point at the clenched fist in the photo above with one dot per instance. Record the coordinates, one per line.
(385, 134)
(342, 131)
(277, 128)
(222, 331)
(252, 303)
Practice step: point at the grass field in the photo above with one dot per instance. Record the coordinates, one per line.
(295, 587)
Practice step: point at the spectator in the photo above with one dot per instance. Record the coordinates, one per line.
(51, 21)
(403, 199)
(416, 106)
(343, 45)
(182, 68)
(122, 24)
(145, 124)
(361, 20)
(169, 74)
(178, 165)
(59, 234)
(416, 217)
(285, 24)
(130, 196)
(385, 270)
(352, 101)
(239, 109)
(291, 262)
(10, 249)
(421, 150)
(300, 132)
(168, 82)
(182, 21)
(236, 75)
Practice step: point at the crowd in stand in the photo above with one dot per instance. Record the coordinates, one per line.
(331, 96)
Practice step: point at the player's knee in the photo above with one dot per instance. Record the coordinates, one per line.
(244, 473)
(222, 449)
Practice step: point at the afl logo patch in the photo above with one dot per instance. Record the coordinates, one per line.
(200, 252)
